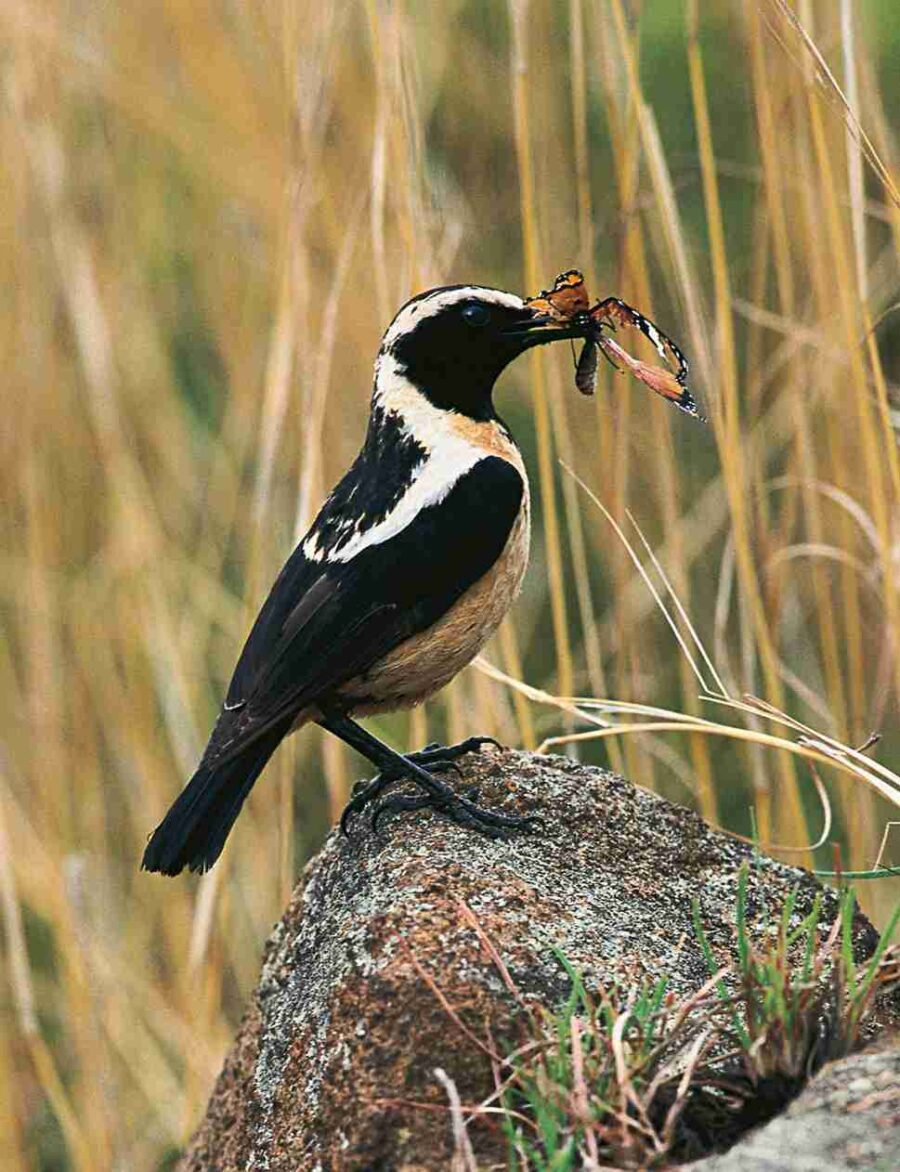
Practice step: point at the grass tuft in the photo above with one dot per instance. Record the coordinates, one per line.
(631, 1077)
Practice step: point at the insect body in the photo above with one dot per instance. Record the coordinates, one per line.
(586, 368)
(568, 301)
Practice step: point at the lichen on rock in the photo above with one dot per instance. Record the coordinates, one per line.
(333, 1066)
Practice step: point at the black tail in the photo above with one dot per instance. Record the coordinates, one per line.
(193, 832)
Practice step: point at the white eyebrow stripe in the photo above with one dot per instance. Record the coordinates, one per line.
(416, 311)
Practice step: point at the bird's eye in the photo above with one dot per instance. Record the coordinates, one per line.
(476, 314)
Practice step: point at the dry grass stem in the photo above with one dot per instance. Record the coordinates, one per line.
(208, 217)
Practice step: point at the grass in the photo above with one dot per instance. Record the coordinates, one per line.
(594, 1084)
(634, 1078)
(209, 215)
(802, 995)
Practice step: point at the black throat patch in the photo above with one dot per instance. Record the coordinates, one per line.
(454, 356)
(451, 381)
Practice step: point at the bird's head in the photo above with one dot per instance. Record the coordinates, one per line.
(452, 343)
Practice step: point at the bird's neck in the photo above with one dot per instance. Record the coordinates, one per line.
(395, 393)
(450, 386)
(436, 431)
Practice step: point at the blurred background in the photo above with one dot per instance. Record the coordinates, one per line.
(210, 212)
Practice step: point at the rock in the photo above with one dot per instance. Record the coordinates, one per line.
(848, 1117)
(334, 1064)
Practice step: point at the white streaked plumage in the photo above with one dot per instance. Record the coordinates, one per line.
(450, 454)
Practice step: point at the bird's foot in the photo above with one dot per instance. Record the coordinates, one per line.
(460, 808)
(435, 754)
(433, 757)
(363, 793)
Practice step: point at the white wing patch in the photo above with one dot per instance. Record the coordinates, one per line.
(449, 456)
(436, 477)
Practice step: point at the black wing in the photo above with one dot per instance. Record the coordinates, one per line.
(325, 622)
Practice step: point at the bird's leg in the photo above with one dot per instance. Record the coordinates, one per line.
(433, 756)
(436, 794)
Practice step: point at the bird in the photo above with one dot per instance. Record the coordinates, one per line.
(408, 568)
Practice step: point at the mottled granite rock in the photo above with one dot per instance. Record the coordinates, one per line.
(336, 1055)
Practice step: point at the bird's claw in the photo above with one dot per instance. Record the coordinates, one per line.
(444, 755)
(361, 795)
(461, 808)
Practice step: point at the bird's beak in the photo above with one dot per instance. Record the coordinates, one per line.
(540, 323)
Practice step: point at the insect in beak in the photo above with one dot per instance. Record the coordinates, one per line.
(544, 324)
(567, 305)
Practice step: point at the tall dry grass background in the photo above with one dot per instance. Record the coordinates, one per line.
(209, 212)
